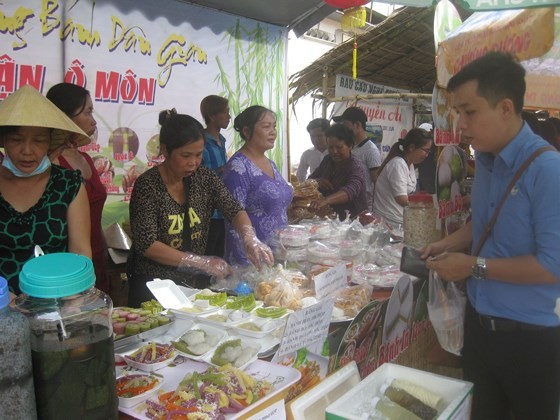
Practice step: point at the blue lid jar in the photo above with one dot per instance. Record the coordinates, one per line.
(71, 337)
(56, 275)
(4, 293)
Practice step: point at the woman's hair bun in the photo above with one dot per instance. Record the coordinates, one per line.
(166, 114)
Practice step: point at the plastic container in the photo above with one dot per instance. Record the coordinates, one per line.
(420, 221)
(455, 403)
(71, 338)
(16, 379)
(176, 302)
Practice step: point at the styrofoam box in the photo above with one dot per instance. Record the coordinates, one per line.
(456, 394)
(311, 404)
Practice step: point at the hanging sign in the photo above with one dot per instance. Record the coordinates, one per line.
(525, 33)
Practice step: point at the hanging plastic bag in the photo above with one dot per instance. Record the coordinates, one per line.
(446, 308)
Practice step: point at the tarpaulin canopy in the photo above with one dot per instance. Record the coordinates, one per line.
(480, 5)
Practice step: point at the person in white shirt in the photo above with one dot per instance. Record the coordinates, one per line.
(364, 148)
(396, 178)
(311, 158)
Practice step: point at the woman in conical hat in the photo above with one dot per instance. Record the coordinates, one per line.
(40, 204)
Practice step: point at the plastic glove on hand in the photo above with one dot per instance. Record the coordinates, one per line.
(214, 266)
(256, 251)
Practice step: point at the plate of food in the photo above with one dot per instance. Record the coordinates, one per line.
(264, 384)
(236, 350)
(245, 303)
(134, 388)
(258, 327)
(150, 357)
(198, 341)
(272, 312)
(224, 317)
(212, 298)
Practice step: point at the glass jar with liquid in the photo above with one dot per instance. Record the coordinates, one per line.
(71, 338)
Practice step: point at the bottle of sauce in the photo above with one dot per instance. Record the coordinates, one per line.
(71, 338)
(16, 373)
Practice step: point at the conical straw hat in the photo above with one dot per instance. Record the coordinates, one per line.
(27, 107)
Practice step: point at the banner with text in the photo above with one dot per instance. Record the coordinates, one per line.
(137, 59)
(533, 35)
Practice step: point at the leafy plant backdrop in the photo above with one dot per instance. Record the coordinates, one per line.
(258, 77)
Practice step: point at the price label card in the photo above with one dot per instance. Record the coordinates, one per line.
(328, 282)
(306, 326)
(276, 411)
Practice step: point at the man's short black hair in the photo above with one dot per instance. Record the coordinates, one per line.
(499, 76)
(321, 123)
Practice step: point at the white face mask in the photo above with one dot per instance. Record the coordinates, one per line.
(43, 166)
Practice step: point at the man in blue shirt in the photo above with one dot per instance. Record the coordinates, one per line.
(511, 346)
(215, 111)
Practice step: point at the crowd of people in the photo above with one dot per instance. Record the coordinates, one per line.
(198, 213)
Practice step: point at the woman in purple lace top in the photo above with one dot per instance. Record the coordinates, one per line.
(255, 182)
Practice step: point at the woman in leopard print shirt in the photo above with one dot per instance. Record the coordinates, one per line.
(170, 211)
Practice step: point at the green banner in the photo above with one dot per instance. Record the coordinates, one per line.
(506, 4)
(411, 3)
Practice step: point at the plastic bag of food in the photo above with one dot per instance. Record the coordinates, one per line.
(284, 295)
(353, 298)
(446, 309)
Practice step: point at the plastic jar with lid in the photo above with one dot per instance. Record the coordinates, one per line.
(71, 338)
(16, 372)
(420, 221)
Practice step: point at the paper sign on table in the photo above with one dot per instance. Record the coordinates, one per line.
(328, 282)
(276, 411)
(306, 326)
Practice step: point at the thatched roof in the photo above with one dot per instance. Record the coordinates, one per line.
(399, 52)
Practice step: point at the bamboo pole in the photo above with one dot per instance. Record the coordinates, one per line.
(325, 104)
(427, 96)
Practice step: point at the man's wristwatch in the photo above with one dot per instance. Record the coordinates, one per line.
(479, 268)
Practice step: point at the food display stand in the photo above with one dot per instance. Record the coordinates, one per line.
(320, 339)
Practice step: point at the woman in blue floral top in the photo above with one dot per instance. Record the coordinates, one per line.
(254, 180)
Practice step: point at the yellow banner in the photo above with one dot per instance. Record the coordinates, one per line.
(543, 92)
(526, 33)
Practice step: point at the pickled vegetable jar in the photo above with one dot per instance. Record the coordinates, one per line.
(420, 221)
(71, 338)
